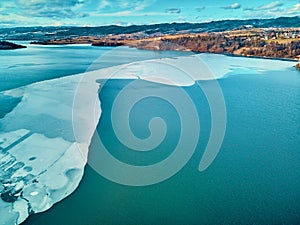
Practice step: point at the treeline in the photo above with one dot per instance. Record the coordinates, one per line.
(216, 43)
(275, 49)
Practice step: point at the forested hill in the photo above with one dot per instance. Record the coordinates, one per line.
(38, 33)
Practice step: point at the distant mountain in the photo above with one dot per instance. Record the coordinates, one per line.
(42, 33)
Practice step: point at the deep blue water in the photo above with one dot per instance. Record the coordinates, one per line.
(253, 180)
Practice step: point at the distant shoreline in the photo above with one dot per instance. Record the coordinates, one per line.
(259, 57)
(5, 45)
(264, 43)
(110, 44)
(118, 45)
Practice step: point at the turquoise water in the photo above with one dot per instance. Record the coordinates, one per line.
(254, 179)
(37, 63)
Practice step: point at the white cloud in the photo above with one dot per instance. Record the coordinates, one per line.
(144, 4)
(233, 6)
(127, 13)
(275, 12)
(103, 4)
(120, 5)
(295, 10)
(121, 8)
(12, 19)
(270, 6)
(44, 8)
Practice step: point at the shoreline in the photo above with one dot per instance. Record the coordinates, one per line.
(214, 43)
(6, 45)
(258, 57)
(159, 50)
(125, 44)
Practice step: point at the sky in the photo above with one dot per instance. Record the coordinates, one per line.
(15, 13)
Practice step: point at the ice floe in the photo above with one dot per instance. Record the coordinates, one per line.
(223, 65)
(40, 162)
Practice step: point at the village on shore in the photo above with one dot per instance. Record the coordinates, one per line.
(261, 42)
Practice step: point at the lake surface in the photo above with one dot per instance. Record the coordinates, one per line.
(253, 180)
(37, 63)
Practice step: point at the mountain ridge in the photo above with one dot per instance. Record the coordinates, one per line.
(50, 32)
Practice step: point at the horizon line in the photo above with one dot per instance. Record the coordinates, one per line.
(150, 24)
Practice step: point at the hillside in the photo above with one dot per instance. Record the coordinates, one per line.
(47, 33)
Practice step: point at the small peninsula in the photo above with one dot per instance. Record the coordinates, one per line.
(5, 45)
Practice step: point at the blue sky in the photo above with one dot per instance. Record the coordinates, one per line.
(123, 12)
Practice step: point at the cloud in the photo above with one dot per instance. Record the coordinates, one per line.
(12, 19)
(275, 12)
(144, 4)
(103, 4)
(173, 10)
(200, 9)
(233, 6)
(295, 10)
(127, 13)
(52, 9)
(248, 9)
(121, 5)
(121, 8)
(72, 9)
(270, 6)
